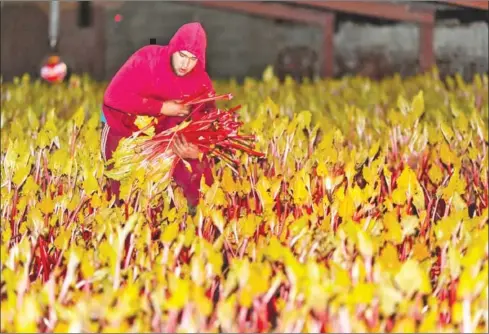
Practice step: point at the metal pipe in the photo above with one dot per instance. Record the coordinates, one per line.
(53, 23)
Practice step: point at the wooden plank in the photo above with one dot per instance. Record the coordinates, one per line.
(390, 11)
(426, 52)
(328, 46)
(271, 10)
(484, 5)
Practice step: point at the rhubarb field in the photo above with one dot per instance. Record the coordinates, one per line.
(368, 213)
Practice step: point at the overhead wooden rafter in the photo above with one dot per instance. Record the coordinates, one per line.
(484, 5)
(272, 10)
(386, 10)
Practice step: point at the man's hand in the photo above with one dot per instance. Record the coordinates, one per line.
(184, 149)
(174, 108)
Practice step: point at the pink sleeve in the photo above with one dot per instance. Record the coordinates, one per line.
(127, 92)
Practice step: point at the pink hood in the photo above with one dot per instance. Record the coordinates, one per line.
(190, 37)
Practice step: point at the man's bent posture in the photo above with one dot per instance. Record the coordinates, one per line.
(151, 83)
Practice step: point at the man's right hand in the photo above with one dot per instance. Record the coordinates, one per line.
(174, 108)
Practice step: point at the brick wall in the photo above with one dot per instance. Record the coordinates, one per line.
(83, 48)
(25, 39)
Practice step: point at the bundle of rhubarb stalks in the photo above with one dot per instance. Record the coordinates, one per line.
(216, 134)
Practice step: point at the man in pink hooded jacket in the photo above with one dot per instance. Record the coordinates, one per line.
(152, 82)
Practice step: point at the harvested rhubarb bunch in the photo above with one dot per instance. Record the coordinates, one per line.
(216, 135)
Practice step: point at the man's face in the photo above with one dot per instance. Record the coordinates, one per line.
(183, 62)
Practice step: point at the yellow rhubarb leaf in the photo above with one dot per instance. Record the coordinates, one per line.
(435, 173)
(394, 231)
(389, 258)
(456, 184)
(420, 252)
(454, 259)
(21, 175)
(411, 278)
(90, 184)
(170, 232)
(143, 122)
(47, 205)
(409, 225)
(389, 299)
(227, 183)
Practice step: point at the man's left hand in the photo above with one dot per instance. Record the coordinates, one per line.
(185, 149)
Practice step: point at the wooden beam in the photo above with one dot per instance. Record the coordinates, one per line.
(484, 5)
(271, 10)
(390, 11)
(426, 52)
(328, 46)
